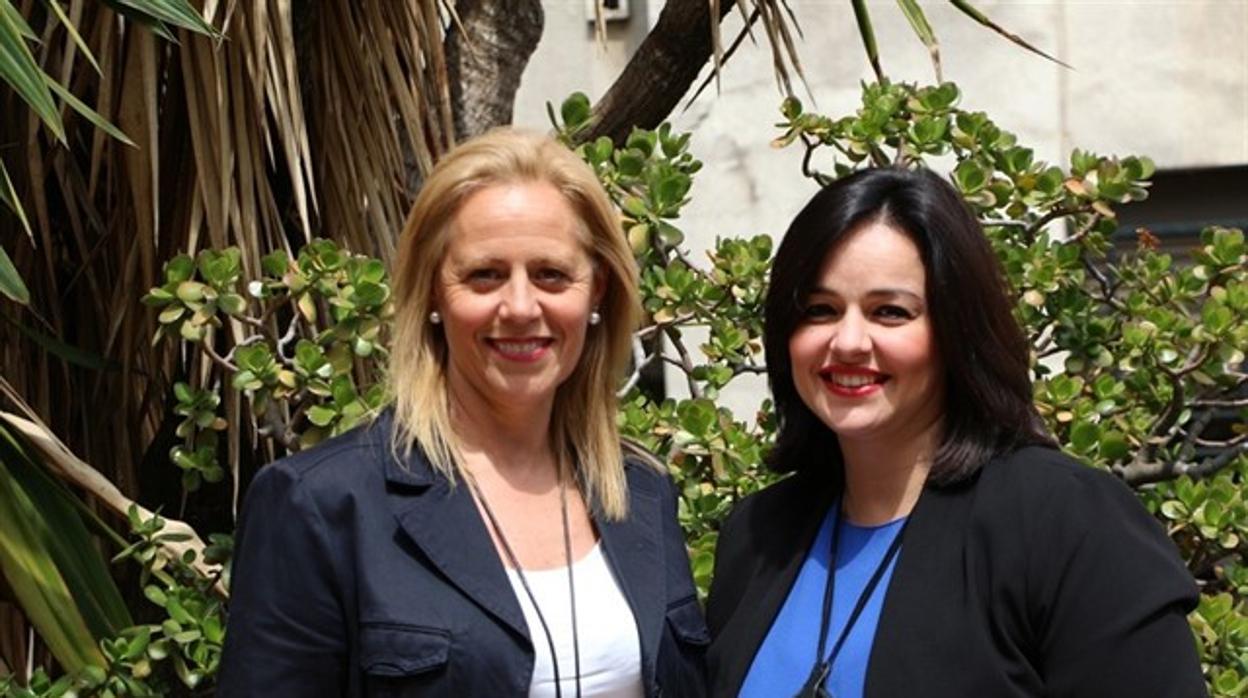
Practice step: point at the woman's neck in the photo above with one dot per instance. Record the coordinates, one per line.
(515, 443)
(883, 481)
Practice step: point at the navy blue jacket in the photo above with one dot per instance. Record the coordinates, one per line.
(358, 575)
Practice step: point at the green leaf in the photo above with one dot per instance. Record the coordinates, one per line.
(970, 176)
(321, 416)
(67, 352)
(696, 416)
(602, 149)
(8, 196)
(51, 563)
(863, 17)
(970, 11)
(630, 162)
(641, 140)
(275, 263)
(634, 207)
(575, 110)
(370, 295)
(11, 283)
(1083, 435)
(791, 108)
(73, 33)
(90, 114)
(1114, 445)
(179, 13)
(178, 269)
(343, 390)
(232, 303)
(923, 30)
(20, 71)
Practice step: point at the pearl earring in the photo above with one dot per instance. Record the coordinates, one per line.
(594, 317)
(435, 317)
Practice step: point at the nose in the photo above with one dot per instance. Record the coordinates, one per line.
(519, 300)
(852, 338)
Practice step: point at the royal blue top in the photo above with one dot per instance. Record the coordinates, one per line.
(784, 661)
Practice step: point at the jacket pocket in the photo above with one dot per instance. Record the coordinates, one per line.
(681, 665)
(398, 650)
(685, 619)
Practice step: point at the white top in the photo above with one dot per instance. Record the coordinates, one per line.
(610, 649)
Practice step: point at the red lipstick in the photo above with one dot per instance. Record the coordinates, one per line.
(852, 381)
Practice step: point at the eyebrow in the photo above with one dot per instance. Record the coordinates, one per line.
(492, 260)
(873, 293)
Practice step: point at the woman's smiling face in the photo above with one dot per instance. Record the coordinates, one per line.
(864, 357)
(515, 290)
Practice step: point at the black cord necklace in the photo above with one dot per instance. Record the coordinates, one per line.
(524, 582)
(816, 683)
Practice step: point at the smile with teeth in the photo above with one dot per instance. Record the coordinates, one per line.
(852, 382)
(523, 349)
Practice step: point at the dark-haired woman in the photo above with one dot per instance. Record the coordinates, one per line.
(931, 540)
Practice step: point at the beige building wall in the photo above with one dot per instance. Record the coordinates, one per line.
(1163, 78)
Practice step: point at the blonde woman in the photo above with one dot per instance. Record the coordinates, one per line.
(487, 536)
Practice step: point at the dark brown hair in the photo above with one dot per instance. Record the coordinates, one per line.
(988, 407)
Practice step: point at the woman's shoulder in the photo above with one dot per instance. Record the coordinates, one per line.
(341, 464)
(792, 491)
(1045, 500)
(644, 471)
(1046, 476)
(779, 509)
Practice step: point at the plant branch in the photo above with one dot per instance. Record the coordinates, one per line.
(686, 363)
(217, 358)
(659, 73)
(1147, 472)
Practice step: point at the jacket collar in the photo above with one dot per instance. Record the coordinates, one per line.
(793, 530)
(443, 520)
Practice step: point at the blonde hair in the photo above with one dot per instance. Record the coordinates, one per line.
(583, 429)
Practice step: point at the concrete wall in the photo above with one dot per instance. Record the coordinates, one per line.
(1164, 78)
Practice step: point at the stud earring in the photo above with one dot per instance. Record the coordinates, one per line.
(594, 317)
(435, 317)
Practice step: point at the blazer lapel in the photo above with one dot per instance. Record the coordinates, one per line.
(794, 529)
(634, 549)
(924, 599)
(444, 522)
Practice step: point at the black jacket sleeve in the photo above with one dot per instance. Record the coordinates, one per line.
(1111, 607)
(285, 635)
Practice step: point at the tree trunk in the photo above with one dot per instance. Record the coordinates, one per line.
(660, 73)
(484, 67)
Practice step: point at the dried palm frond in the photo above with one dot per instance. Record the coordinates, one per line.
(784, 53)
(289, 128)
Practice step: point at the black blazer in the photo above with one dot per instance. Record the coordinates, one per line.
(1038, 577)
(356, 576)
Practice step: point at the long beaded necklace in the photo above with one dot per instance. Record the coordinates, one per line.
(524, 582)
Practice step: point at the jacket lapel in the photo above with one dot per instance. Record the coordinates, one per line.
(634, 549)
(444, 522)
(925, 597)
(794, 528)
